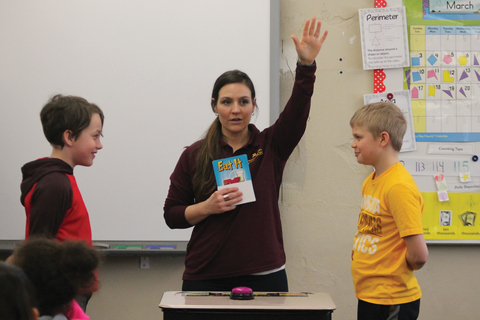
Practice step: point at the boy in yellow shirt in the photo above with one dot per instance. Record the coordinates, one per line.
(389, 243)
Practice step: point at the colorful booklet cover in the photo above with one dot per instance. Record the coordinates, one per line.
(235, 172)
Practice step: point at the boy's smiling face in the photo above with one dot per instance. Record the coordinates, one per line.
(367, 148)
(88, 143)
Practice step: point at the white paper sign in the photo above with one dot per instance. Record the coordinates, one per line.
(402, 101)
(384, 38)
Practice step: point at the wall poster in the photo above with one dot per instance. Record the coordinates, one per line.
(444, 84)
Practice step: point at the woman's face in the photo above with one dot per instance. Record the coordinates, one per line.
(234, 107)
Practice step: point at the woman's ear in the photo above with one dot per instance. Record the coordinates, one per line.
(214, 105)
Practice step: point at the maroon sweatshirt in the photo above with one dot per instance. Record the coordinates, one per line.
(249, 238)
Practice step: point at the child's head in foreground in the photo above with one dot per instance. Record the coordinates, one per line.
(382, 117)
(57, 271)
(64, 113)
(16, 295)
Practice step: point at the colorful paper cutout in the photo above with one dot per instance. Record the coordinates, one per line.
(447, 59)
(415, 61)
(443, 196)
(378, 77)
(465, 177)
(432, 59)
(431, 74)
(431, 91)
(447, 77)
(478, 75)
(463, 60)
(416, 76)
(441, 187)
(448, 93)
(415, 93)
(464, 75)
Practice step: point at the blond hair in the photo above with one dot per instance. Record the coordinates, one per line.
(382, 117)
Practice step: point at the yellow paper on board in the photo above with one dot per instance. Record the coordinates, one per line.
(459, 204)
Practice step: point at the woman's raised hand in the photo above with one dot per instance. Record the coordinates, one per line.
(310, 44)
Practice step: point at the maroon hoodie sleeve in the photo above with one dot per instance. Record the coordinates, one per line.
(180, 194)
(51, 199)
(292, 122)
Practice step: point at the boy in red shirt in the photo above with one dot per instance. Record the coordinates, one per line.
(53, 204)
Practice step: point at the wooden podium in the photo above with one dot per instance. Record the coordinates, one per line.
(218, 306)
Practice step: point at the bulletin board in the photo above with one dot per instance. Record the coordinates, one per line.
(443, 81)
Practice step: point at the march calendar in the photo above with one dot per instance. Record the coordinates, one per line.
(444, 82)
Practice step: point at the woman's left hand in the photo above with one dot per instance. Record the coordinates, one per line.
(309, 46)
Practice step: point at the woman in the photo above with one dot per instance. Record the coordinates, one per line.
(240, 245)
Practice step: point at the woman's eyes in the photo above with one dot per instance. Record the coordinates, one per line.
(241, 102)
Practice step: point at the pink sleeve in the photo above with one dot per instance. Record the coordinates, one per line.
(76, 313)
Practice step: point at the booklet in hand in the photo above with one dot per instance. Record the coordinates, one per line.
(235, 172)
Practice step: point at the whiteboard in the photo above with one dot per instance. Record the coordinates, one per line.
(150, 66)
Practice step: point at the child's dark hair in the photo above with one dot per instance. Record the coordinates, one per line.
(57, 271)
(63, 113)
(16, 295)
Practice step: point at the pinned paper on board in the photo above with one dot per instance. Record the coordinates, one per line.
(384, 38)
(441, 187)
(445, 218)
(402, 100)
(468, 218)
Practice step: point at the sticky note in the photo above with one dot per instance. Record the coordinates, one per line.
(465, 177)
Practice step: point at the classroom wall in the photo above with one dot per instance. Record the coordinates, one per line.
(320, 196)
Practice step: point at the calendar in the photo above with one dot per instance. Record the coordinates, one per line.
(443, 85)
(444, 82)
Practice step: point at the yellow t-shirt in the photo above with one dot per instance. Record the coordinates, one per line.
(392, 208)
